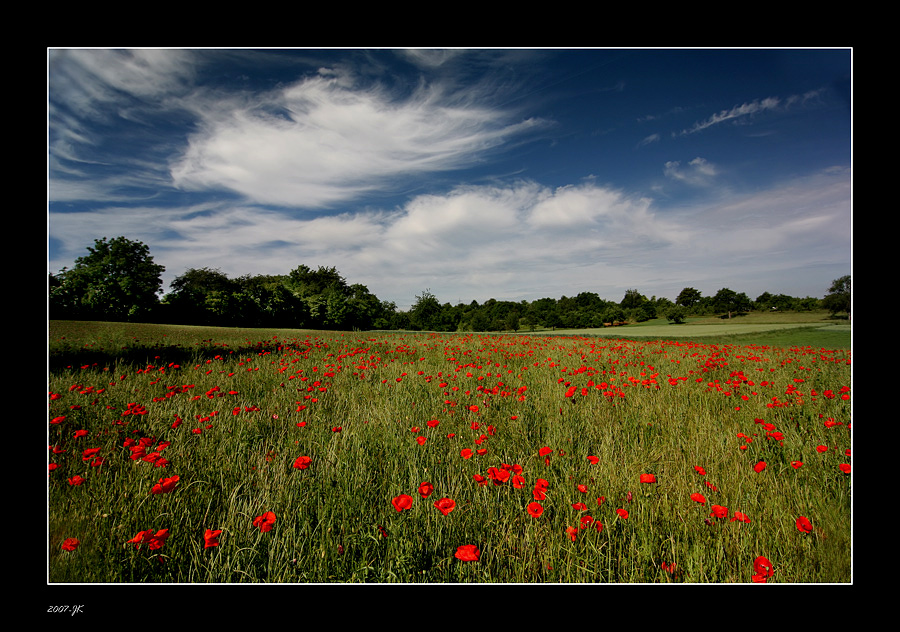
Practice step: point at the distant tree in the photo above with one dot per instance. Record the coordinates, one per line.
(613, 314)
(780, 302)
(199, 296)
(512, 320)
(387, 316)
(632, 300)
(116, 280)
(304, 281)
(727, 300)
(425, 311)
(839, 297)
(646, 312)
(364, 307)
(688, 297)
(809, 303)
(676, 314)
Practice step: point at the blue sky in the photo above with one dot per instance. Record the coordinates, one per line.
(513, 174)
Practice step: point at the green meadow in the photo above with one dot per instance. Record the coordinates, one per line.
(712, 451)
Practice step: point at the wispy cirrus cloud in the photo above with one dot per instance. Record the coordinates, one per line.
(328, 139)
(741, 112)
(698, 172)
(738, 112)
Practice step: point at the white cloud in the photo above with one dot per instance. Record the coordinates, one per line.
(736, 113)
(87, 80)
(698, 172)
(325, 139)
(522, 241)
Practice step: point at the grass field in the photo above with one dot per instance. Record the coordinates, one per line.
(215, 455)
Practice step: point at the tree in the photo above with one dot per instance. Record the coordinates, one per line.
(688, 297)
(632, 300)
(116, 280)
(197, 297)
(676, 314)
(839, 297)
(729, 301)
(425, 311)
(512, 319)
(305, 281)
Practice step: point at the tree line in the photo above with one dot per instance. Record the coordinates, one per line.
(118, 281)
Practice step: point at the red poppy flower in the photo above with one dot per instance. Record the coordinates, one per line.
(763, 569)
(140, 538)
(402, 502)
(76, 480)
(796, 464)
(545, 451)
(718, 511)
(844, 467)
(466, 453)
(499, 476)
(211, 538)
(804, 525)
(572, 532)
(165, 485)
(623, 514)
(89, 454)
(821, 448)
(467, 553)
(153, 540)
(759, 467)
(265, 522)
(579, 506)
(740, 517)
(700, 498)
(582, 489)
(302, 462)
(425, 489)
(593, 459)
(158, 539)
(518, 481)
(700, 470)
(535, 509)
(421, 440)
(70, 544)
(648, 478)
(445, 505)
(539, 493)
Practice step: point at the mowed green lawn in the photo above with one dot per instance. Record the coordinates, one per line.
(789, 329)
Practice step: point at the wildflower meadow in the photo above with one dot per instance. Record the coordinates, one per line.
(217, 455)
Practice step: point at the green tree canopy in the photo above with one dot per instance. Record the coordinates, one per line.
(688, 297)
(839, 297)
(425, 311)
(116, 280)
(727, 300)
